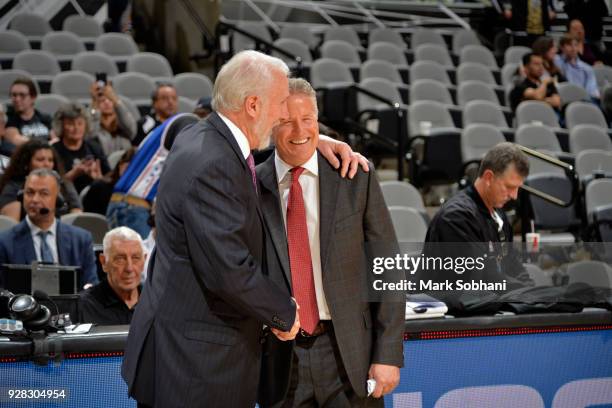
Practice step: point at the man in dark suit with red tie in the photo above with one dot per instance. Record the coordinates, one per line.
(195, 336)
(318, 227)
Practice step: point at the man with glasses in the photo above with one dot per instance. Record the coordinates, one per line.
(24, 121)
(113, 300)
(475, 216)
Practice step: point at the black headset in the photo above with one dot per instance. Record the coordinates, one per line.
(25, 308)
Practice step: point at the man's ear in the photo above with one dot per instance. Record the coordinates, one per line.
(488, 175)
(252, 105)
(102, 260)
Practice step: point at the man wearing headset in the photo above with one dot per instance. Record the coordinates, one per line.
(41, 237)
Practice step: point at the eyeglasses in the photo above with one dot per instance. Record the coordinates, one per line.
(19, 95)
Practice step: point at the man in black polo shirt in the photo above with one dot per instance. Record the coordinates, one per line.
(534, 87)
(113, 300)
(474, 217)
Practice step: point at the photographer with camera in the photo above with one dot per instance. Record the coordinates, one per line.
(112, 123)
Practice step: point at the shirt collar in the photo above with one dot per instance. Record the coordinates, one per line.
(35, 230)
(108, 297)
(241, 139)
(566, 59)
(282, 168)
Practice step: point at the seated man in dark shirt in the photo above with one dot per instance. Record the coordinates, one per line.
(534, 87)
(475, 218)
(113, 300)
(164, 104)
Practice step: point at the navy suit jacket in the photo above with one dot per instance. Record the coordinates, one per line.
(74, 248)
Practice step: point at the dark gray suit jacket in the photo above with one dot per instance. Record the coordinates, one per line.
(195, 336)
(351, 213)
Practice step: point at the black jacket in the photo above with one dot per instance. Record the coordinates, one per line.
(520, 11)
(464, 218)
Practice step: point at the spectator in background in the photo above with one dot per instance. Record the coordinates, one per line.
(164, 105)
(112, 123)
(533, 87)
(529, 19)
(83, 159)
(149, 242)
(576, 71)
(2, 128)
(203, 108)
(545, 47)
(588, 53)
(119, 16)
(24, 122)
(133, 194)
(100, 191)
(32, 155)
(590, 13)
(112, 301)
(41, 237)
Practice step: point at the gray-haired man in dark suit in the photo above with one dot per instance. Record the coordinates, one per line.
(195, 336)
(318, 225)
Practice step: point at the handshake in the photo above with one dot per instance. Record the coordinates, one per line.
(290, 334)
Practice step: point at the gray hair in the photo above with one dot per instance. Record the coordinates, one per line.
(72, 110)
(501, 156)
(44, 172)
(245, 74)
(300, 86)
(121, 234)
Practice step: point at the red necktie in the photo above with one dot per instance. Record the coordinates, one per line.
(300, 260)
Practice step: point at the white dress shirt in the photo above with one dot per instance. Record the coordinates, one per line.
(241, 139)
(51, 239)
(309, 181)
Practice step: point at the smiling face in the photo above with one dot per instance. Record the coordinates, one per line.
(297, 135)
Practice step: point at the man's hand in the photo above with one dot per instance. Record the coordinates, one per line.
(330, 148)
(92, 168)
(289, 335)
(386, 376)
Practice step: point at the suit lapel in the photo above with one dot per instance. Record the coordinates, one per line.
(215, 120)
(64, 244)
(270, 205)
(328, 195)
(24, 244)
